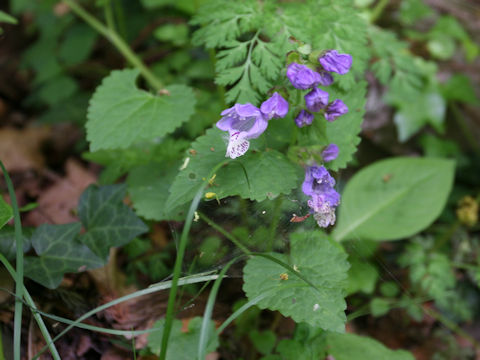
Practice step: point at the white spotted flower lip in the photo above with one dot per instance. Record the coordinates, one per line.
(245, 121)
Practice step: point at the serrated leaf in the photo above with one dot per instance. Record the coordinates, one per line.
(183, 345)
(317, 259)
(58, 253)
(148, 188)
(108, 221)
(121, 115)
(8, 243)
(394, 198)
(254, 176)
(354, 347)
(6, 212)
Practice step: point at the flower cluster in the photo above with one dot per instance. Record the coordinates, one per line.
(304, 78)
(245, 121)
(319, 185)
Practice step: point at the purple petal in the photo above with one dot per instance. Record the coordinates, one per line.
(335, 109)
(304, 118)
(335, 62)
(275, 107)
(330, 153)
(302, 77)
(316, 100)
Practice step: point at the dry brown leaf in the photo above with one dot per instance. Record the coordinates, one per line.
(20, 149)
(57, 204)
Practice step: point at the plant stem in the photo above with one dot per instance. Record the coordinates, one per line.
(274, 224)
(109, 15)
(378, 10)
(17, 329)
(36, 315)
(179, 260)
(225, 233)
(119, 43)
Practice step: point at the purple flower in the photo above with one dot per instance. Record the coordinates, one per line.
(243, 122)
(302, 77)
(330, 153)
(335, 109)
(335, 62)
(275, 107)
(326, 79)
(304, 118)
(316, 180)
(319, 185)
(316, 100)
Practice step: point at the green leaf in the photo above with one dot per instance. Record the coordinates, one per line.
(322, 263)
(379, 306)
(121, 115)
(4, 17)
(354, 347)
(148, 188)
(263, 341)
(459, 88)
(412, 11)
(108, 221)
(8, 243)
(255, 176)
(57, 90)
(182, 345)
(426, 108)
(394, 198)
(177, 34)
(6, 212)
(77, 44)
(362, 276)
(58, 253)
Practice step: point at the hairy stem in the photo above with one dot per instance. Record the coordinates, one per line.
(119, 43)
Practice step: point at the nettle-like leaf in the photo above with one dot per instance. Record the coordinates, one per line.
(6, 212)
(183, 345)
(318, 260)
(148, 187)
(255, 176)
(393, 199)
(108, 221)
(121, 115)
(58, 252)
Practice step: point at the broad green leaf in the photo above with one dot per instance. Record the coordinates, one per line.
(6, 212)
(58, 252)
(354, 347)
(319, 261)
(264, 341)
(108, 221)
(8, 243)
(183, 345)
(255, 176)
(362, 276)
(459, 88)
(379, 306)
(394, 198)
(121, 115)
(77, 44)
(148, 188)
(6, 18)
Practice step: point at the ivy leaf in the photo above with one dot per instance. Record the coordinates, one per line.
(6, 212)
(121, 115)
(8, 244)
(322, 263)
(354, 347)
(183, 345)
(108, 221)
(393, 199)
(254, 176)
(58, 253)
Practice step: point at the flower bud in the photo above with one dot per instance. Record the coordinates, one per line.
(304, 118)
(335, 62)
(335, 109)
(316, 100)
(275, 107)
(330, 153)
(302, 77)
